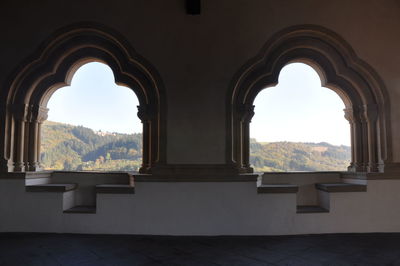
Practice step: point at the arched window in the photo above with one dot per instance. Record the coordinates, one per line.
(53, 66)
(92, 124)
(354, 81)
(299, 125)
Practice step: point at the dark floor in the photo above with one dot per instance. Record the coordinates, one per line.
(336, 249)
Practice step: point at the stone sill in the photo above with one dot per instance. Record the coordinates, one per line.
(51, 187)
(115, 189)
(311, 209)
(302, 172)
(196, 178)
(340, 187)
(202, 177)
(277, 188)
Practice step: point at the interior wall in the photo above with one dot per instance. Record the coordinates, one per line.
(200, 208)
(197, 56)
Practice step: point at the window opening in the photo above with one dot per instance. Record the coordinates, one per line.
(299, 125)
(92, 125)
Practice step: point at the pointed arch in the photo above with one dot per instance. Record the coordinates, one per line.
(53, 66)
(359, 86)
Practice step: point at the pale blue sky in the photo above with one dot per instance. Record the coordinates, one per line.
(94, 100)
(297, 109)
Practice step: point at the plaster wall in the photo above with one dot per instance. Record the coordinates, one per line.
(85, 193)
(306, 181)
(197, 56)
(200, 208)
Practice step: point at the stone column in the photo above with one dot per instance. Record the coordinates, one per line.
(363, 136)
(349, 115)
(39, 143)
(9, 138)
(146, 114)
(356, 120)
(236, 156)
(20, 113)
(371, 116)
(37, 117)
(246, 113)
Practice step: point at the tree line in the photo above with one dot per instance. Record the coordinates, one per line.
(77, 148)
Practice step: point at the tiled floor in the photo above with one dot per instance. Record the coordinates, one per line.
(336, 249)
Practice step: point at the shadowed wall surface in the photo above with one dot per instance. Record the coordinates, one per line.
(197, 56)
(189, 64)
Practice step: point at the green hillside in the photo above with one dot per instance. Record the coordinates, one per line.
(296, 156)
(67, 147)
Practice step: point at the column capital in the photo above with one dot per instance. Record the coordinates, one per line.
(370, 112)
(146, 112)
(349, 114)
(38, 113)
(245, 112)
(359, 114)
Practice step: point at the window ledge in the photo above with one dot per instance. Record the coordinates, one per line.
(277, 188)
(341, 187)
(51, 187)
(115, 189)
(196, 178)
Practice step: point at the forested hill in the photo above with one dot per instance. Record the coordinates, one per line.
(298, 156)
(67, 147)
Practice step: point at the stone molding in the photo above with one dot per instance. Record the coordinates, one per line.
(245, 112)
(359, 86)
(52, 66)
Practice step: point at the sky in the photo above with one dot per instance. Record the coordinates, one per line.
(297, 109)
(94, 100)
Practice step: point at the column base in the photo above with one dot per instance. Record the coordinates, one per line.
(35, 167)
(19, 167)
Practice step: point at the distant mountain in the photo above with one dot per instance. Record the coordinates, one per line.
(68, 147)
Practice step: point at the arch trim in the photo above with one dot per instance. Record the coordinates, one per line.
(361, 88)
(52, 66)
